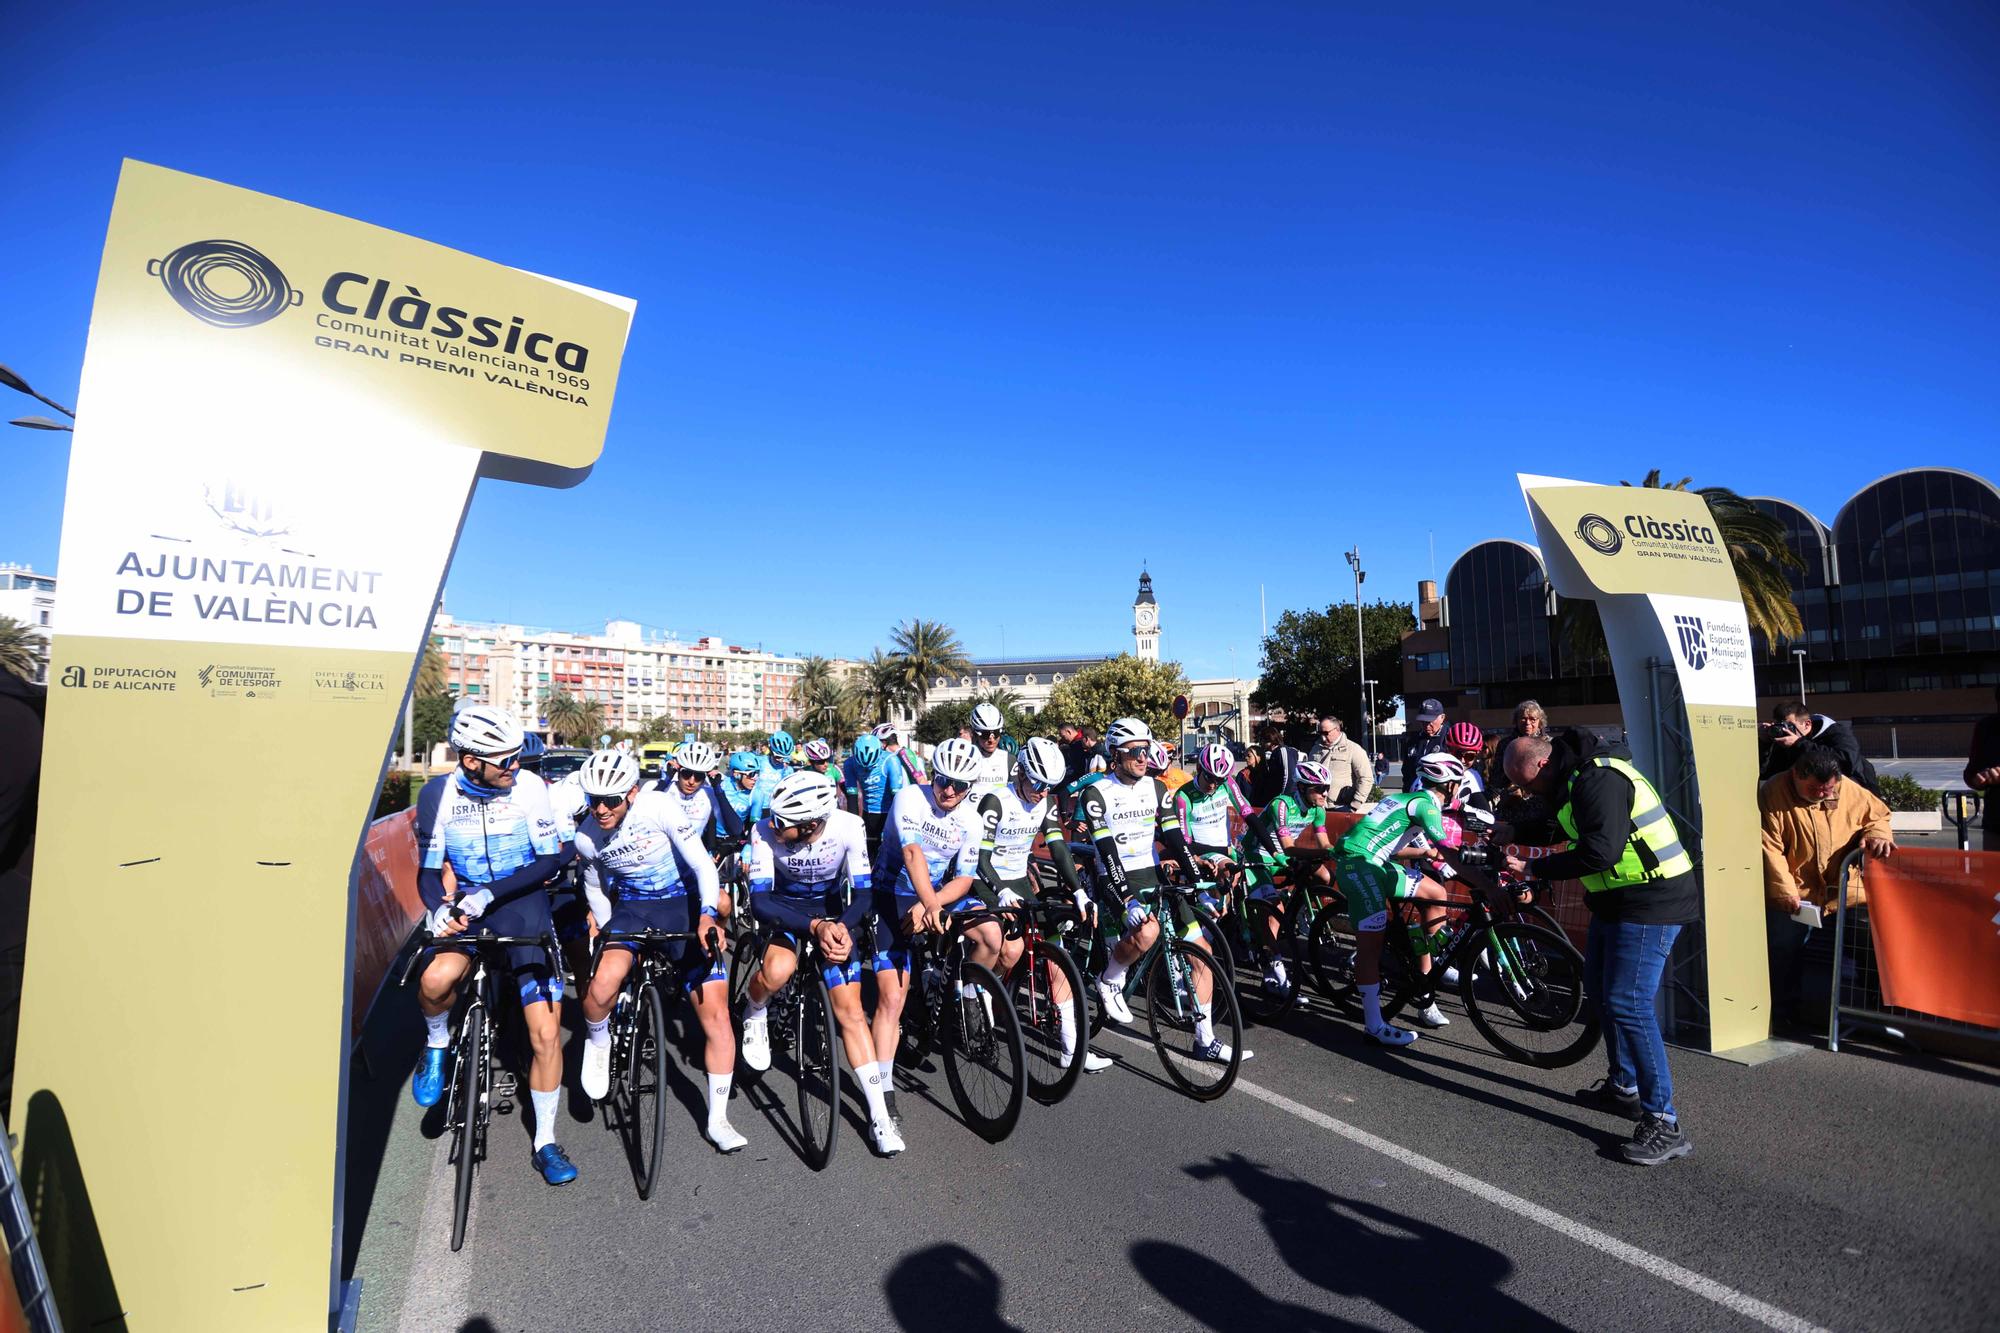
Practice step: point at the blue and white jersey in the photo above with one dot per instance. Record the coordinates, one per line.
(637, 861)
(915, 819)
(484, 833)
(749, 805)
(876, 784)
(774, 770)
(696, 812)
(567, 803)
(808, 869)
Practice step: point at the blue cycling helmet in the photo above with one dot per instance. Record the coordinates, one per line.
(782, 744)
(743, 762)
(533, 747)
(866, 748)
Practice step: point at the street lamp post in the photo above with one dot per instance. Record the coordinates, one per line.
(1360, 652)
(1371, 682)
(1799, 655)
(19, 385)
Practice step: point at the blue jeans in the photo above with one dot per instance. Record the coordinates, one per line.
(1622, 966)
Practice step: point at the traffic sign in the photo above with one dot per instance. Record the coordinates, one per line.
(1180, 705)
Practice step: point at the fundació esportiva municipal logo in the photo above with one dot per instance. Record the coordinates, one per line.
(225, 283)
(1596, 532)
(1692, 639)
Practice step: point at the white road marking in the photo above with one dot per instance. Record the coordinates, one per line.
(1665, 1269)
(439, 1282)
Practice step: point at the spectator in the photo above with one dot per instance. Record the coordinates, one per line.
(1530, 719)
(1982, 770)
(1428, 737)
(22, 705)
(1639, 884)
(1350, 776)
(1278, 774)
(1075, 744)
(1812, 816)
(1794, 723)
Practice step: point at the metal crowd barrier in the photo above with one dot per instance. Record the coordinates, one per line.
(1961, 809)
(1856, 987)
(24, 1255)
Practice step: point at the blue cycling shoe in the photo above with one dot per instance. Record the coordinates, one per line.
(555, 1166)
(428, 1085)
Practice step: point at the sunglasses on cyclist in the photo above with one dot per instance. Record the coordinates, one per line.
(606, 802)
(500, 761)
(1133, 751)
(1034, 783)
(951, 784)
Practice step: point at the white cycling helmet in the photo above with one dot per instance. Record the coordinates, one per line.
(803, 798)
(817, 750)
(698, 757)
(1158, 757)
(957, 760)
(1216, 760)
(608, 773)
(1312, 774)
(1126, 730)
(985, 717)
(887, 734)
(1441, 769)
(1042, 760)
(486, 731)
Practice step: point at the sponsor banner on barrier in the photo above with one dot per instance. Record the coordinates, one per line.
(1935, 917)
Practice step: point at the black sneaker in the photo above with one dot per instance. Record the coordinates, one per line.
(889, 1100)
(1656, 1140)
(1601, 1096)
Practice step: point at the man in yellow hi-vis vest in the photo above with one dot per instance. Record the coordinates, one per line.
(1639, 883)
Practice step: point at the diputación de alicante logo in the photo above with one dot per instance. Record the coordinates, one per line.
(225, 283)
(1597, 532)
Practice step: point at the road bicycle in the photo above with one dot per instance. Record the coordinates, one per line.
(639, 1045)
(477, 1087)
(1039, 925)
(977, 1034)
(804, 1038)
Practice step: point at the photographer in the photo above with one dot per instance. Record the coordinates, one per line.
(1793, 725)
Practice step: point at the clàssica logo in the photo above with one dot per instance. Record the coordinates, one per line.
(1692, 639)
(225, 283)
(1596, 532)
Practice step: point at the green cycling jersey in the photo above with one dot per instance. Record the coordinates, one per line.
(1391, 824)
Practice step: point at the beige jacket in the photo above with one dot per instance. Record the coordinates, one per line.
(1347, 765)
(1804, 841)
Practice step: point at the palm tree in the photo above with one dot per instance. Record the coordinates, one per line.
(927, 649)
(815, 677)
(565, 713)
(1756, 545)
(430, 672)
(883, 684)
(590, 721)
(20, 649)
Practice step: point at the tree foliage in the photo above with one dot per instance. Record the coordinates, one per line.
(925, 650)
(943, 721)
(1122, 686)
(572, 720)
(20, 649)
(1308, 667)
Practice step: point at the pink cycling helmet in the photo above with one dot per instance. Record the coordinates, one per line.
(1465, 738)
(1158, 757)
(1216, 761)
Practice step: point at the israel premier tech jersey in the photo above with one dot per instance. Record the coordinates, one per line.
(484, 833)
(636, 861)
(915, 819)
(809, 869)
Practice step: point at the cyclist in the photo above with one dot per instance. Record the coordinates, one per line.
(492, 826)
(637, 850)
(704, 813)
(1467, 741)
(1369, 874)
(778, 759)
(1011, 820)
(818, 754)
(746, 791)
(1282, 824)
(873, 779)
(809, 874)
(923, 874)
(1125, 813)
(1160, 764)
(892, 744)
(987, 725)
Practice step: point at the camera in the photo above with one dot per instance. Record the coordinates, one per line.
(1475, 856)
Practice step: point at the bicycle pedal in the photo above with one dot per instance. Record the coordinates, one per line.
(504, 1108)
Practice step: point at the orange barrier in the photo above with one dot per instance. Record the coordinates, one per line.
(388, 908)
(1937, 937)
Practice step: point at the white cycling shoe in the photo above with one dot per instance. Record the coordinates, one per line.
(1430, 1017)
(725, 1138)
(885, 1137)
(756, 1044)
(1390, 1035)
(1218, 1052)
(596, 1072)
(1113, 999)
(1093, 1063)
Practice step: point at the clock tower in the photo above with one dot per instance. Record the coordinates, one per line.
(1146, 621)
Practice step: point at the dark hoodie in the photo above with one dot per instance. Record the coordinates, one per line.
(1828, 735)
(22, 706)
(1600, 801)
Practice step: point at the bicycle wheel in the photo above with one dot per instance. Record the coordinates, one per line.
(1531, 1003)
(816, 1065)
(1331, 951)
(1051, 1074)
(1083, 951)
(649, 1085)
(983, 1060)
(1254, 995)
(1178, 973)
(469, 1077)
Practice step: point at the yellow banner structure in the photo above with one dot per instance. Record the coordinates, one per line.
(283, 413)
(1673, 617)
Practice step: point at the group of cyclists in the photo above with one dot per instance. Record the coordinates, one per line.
(863, 857)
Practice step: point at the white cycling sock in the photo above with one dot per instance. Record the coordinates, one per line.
(545, 1115)
(874, 1080)
(752, 1009)
(1114, 972)
(969, 989)
(1371, 1004)
(439, 1030)
(598, 1033)
(718, 1098)
(1204, 1023)
(1066, 1019)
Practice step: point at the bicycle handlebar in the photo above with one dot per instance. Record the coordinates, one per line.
(481, 941)
(659, 937)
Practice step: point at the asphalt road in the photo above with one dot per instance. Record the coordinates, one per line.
(1338, 1186)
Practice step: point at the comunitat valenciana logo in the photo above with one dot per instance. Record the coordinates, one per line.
(1596, 532)
(225, 283)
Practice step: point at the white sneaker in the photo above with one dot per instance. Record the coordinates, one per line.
(1094, 1063)
(756, 1044)
(725, 1138)
(885, 1138)
(1429, 1017)
(1389, 1035)
(1113, 999)
(596, 1070)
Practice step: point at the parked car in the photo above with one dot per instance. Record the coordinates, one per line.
(561, 761)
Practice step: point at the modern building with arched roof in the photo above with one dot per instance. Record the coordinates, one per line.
(1900, 600)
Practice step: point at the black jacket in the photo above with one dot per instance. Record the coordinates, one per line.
(21, 708)
(1828, 735)
(1418, 745)
(1277, 776)
(1600, 801)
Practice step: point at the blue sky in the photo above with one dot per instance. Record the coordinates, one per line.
(964, 311)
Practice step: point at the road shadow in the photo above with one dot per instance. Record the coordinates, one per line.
(58, 1202)
(945, 1287)
(378, 1075)
(1217, 1298)
(1355, 1249)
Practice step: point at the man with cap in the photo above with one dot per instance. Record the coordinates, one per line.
(1426, 737)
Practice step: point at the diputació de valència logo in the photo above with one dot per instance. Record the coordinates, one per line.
(225, 283)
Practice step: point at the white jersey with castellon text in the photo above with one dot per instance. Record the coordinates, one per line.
(807, 869)
(1130, 813)
(1011, 826)
(915, 819)
(638, 860)
(992, 773)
